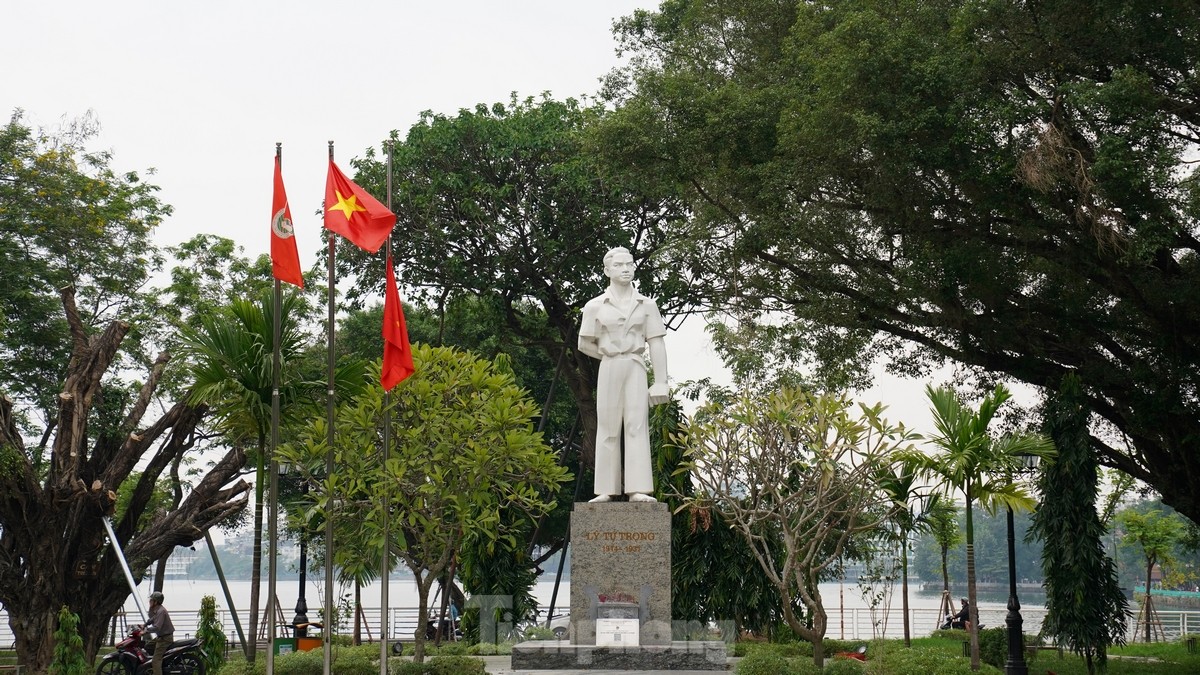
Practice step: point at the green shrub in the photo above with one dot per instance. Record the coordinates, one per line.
(993, 646)
(802, 665)
(784, 649)
(299, 663)
(770, 662)
(539, 633)
(922, 661)
(455, 665)
(240, 666)
(68, 646)
(762, 662)
(350, 662)
(212, 633)
(840, 665)
(402, 667)
(482, 649)
(448, 649)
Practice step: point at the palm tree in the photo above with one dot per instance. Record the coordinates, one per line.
(914, 503)
(232, 371)
(980, 467)
(943, 525)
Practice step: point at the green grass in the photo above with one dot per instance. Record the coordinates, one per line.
(1161, 658)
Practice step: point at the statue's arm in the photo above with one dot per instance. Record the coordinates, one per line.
(659, 392)
(589, 343)
(589, 346)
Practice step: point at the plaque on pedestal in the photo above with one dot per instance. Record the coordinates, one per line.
(617, 632)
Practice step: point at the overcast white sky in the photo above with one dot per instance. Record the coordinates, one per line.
(200, 92)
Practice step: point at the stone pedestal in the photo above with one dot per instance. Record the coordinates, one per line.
(621, 569)
(620, 574)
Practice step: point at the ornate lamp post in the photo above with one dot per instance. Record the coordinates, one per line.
(1016, 639)
(300, 621)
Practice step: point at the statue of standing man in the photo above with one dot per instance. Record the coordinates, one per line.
(617, 328)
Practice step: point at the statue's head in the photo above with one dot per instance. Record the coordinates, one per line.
(619, 265)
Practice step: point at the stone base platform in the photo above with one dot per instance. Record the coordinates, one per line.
(562, 655)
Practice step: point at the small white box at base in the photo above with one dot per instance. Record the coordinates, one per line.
(617, 632)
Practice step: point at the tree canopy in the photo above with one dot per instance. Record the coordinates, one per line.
(465, 467)
(83, 417)
(1008, 186)
(501, 203)
(795, 475)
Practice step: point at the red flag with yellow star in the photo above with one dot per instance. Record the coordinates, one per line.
(353, 213)
(285, 259)
(397, 353)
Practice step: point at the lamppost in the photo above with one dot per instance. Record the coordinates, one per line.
(1016, 639)
(300, 621)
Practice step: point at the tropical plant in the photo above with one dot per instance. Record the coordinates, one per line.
(794, 473)
(1156, 535)
(68, 646)
(1086, 610)
(943, 528)
(464, 457)
(979, 467)
(916, 506)
(211, 633)
(232, 357)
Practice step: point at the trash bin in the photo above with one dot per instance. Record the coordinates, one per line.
(285, 645)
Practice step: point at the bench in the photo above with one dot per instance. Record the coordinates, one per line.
(1032, 650)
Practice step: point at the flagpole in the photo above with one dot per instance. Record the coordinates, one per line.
(330, 420)
(273, 515)
(385, 564)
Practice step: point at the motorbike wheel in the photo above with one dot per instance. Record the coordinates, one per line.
(112, 667)
(185, 664)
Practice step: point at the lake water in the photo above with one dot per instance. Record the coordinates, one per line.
(850, 616)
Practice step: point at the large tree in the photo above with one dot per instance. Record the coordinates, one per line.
(464, 458)
(503, 204)
(1005, 185)
(75, 427)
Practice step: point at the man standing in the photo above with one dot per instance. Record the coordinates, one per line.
(617, 328)
(159, 624)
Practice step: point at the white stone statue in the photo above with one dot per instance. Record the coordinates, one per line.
(617, 328)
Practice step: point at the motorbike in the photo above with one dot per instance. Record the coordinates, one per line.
(131, 657)
(953, 622)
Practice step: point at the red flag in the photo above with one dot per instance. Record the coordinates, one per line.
(397, 353)
(353, 213)
(285, 259)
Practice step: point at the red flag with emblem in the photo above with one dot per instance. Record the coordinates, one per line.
(397, 353)
(285, 259)
(353, 213)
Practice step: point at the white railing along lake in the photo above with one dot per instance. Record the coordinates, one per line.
(850, 617)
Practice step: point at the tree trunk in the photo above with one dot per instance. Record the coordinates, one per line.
(1149, 571)
(256, 558)
(53, 549)
(904, 589)
(357, 613)
(973, 630)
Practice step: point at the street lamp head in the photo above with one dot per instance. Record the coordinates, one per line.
(1029, 462)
